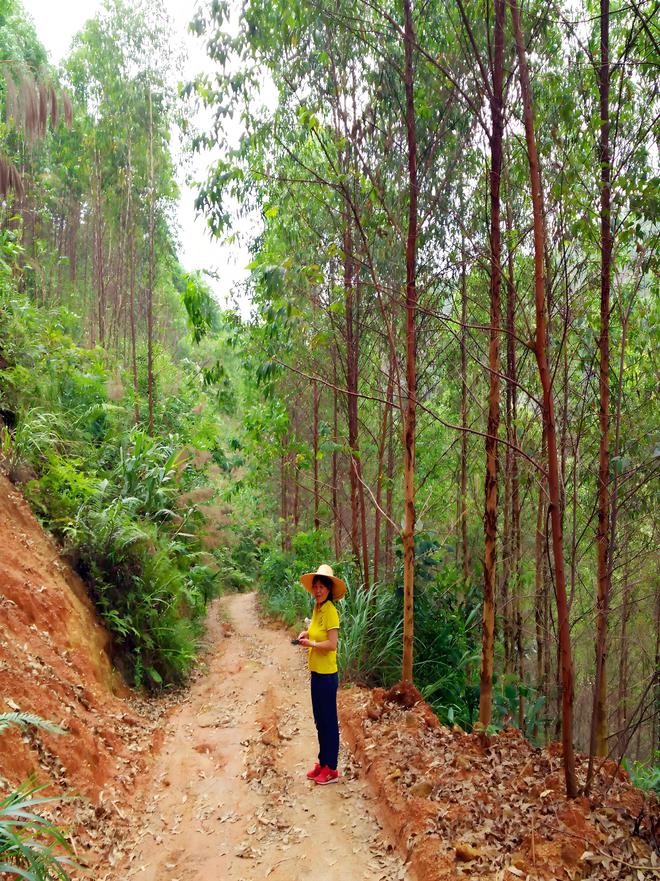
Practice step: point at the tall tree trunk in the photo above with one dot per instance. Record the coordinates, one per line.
(465, 554)
(381, 461)
(622, 696)
(506, 600)
(295, 476)
(152, 262)
(513, 476)
(131, 271)
(622, 700)
(540, 590)
(389, 498)
(351, 386)
(315, 446)
(98, 251)
(598, 738)
(490, 489)
(411, 355)
(335, 473)
(541, 352)
(656, 687)
(284, 514)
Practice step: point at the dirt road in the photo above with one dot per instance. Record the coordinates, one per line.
(229, 798)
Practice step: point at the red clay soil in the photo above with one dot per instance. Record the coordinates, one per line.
(458, 806)
(493, 808)
(54, 662)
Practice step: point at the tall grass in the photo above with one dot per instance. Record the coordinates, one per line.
(369, 651)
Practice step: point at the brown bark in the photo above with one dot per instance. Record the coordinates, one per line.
(152, 261)
(411, 355)
(598, 739)
(131, 247)
(465, 554)
(351, 387)
(540, 584)
(284, 514)
(622, 696)
(315, 447)
(656, 687)
(512, 465)
(541, 352)
(98, 251)
(379, 476)
(622, 699)
(335, 474)
(295, 476)
(389, 498)
(506, 602)
(490, 489)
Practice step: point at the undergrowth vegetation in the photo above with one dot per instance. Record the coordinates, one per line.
(118, 499)
(446, 625)
(31, 847)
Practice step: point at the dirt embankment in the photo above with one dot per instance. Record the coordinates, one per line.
(217, 786)
(493, 808)
(54, 662)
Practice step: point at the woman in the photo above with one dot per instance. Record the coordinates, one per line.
(321, 640)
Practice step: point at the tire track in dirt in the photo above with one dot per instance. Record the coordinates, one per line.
(228, 796)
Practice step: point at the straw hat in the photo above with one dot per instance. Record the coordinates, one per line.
(338, 586)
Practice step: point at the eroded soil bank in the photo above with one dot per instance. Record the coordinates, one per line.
(210, 782)
(493, 808)
(55, 663)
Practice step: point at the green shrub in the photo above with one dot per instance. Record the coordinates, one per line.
(370, 647)
(643, 776)
(148, 594)
(31, 847)
(508, 691)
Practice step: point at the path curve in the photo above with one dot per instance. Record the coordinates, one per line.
(228, 796)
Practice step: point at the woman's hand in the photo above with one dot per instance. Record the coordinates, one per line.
(304, 634)
(306, 642)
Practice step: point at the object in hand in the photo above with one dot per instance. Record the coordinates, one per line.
(295, 642)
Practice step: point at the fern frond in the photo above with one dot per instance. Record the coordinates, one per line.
(22, 720)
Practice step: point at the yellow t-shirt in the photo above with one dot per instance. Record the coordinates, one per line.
(323, 619)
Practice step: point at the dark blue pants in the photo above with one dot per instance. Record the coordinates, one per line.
(324, 705)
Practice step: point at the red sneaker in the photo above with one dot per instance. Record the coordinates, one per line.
(314, 773)
(326, 775)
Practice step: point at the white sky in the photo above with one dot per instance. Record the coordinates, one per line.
(56, 24)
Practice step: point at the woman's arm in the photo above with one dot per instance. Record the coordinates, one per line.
(328, 645)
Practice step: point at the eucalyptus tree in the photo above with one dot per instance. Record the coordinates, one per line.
(353, 104)
(120, 71)
(381, 177)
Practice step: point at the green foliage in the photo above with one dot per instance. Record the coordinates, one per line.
(369, 649)
(22, 720)
(31, 847)
(508, 692)
(202, 309)
(283, 595)
(645, 776)
(109, 491)
(446, 656)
